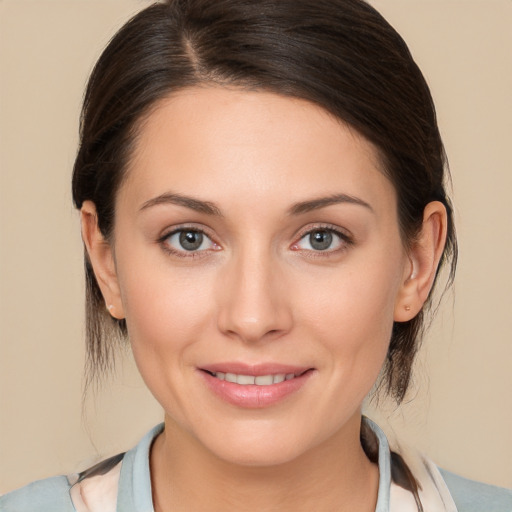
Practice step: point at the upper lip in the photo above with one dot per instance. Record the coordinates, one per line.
(254, 369)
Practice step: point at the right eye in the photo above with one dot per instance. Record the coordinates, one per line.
(183, 241)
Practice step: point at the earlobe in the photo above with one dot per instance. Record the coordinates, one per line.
(101, 258)
(424, 256)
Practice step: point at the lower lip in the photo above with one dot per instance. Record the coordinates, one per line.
(252, 396)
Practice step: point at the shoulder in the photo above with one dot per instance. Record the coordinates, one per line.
(471, 496)
(123, 480)
(49, 494)
(438, 489)
(92, 490)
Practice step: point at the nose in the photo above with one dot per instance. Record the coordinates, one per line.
(253, 302)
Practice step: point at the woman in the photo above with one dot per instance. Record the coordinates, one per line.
(261, 188)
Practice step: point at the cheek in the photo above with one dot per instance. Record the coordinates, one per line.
(352, 303)
(161, 303)
(352, 312)
(166, 311)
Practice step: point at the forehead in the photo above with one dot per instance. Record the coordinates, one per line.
(217, 141)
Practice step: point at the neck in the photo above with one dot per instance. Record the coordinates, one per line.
(335, 475)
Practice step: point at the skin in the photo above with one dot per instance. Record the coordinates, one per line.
(257, 291)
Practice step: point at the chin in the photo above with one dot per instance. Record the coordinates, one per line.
(260, 445)
(269, 454)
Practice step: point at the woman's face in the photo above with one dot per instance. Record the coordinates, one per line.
(257, 241)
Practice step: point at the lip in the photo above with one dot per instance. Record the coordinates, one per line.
(254, 369)
(253, 396)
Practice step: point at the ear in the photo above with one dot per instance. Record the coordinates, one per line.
(424, 256)
(102, 259)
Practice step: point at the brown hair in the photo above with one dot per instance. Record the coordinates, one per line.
(339, 54)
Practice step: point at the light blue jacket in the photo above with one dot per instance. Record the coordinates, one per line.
(123, 484)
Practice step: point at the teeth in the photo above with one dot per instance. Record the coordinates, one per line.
(260, 380)
(245, 379)
(264, 380)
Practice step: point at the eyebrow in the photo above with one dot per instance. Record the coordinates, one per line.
(210, 208)
(189, 202)
(322, 202)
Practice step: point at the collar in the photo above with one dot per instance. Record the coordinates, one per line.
(135, 481)
(130, 481)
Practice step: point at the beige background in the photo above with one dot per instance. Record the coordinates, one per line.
(461, 411)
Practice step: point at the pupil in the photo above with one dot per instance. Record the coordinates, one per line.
(191, 240)
(320, 240)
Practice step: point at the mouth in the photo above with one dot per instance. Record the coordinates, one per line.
(256, 380)
(257, 386)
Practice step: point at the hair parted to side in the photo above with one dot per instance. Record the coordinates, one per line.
(339, 54)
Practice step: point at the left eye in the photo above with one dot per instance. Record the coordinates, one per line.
(189, 240)
(320, 240)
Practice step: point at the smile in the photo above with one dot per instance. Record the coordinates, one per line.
(259, 380)
(255, 387)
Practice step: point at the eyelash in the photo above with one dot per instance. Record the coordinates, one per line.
(345, 241)
(184, 253)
